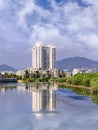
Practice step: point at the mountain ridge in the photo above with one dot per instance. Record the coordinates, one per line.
(5, 67)
(76, 62)
(67, 63)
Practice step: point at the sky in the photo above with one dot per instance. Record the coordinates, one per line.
(70, 25)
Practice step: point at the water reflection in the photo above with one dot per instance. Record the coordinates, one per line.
(95, 98)
(43, 97)
(16, 113)
(6, 88)
(82, 92)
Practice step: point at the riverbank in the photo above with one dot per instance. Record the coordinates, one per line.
(69, 85)
(20, 81)
(84, 80)
(64, 83)
(75, 86)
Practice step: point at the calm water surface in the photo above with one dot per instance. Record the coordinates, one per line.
(45, 107)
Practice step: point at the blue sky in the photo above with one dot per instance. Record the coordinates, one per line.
(71, 25)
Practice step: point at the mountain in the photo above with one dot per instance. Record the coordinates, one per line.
(76, 62)
(67, 63)
(5, 67)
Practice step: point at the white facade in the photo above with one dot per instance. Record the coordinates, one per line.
(75, 71)
(43, 56)
(20, 73)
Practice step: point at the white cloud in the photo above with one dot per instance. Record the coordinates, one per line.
(28, 8)
(71, 27)
(1, 4)
(91, 40)
(92, 2)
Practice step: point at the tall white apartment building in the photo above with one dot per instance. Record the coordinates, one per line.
(43, 56)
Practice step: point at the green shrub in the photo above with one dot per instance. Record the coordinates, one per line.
(94, 84)
(61, 80)
(86, 82)
(69, 81)
(77, 80)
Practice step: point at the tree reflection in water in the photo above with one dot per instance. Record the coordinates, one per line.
(83, 92)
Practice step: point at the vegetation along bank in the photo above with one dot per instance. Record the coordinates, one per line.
(88, 80)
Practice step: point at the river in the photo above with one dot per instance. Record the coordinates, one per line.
(42, 106)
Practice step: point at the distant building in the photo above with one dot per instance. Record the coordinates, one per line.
(43, 56)
(76, 71)
(31, 70)
(56, 73)
(83, 70)
(67, 73)
(20, 73)
(8, 72)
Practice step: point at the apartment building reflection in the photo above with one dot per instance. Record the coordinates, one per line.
(43, 99)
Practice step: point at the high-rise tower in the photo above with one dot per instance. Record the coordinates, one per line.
(43, 56)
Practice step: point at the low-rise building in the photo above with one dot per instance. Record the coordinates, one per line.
(21, 73)
(83, 70)
(76, 71)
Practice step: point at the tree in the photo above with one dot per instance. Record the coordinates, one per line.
(94, 84)
(86, 82)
